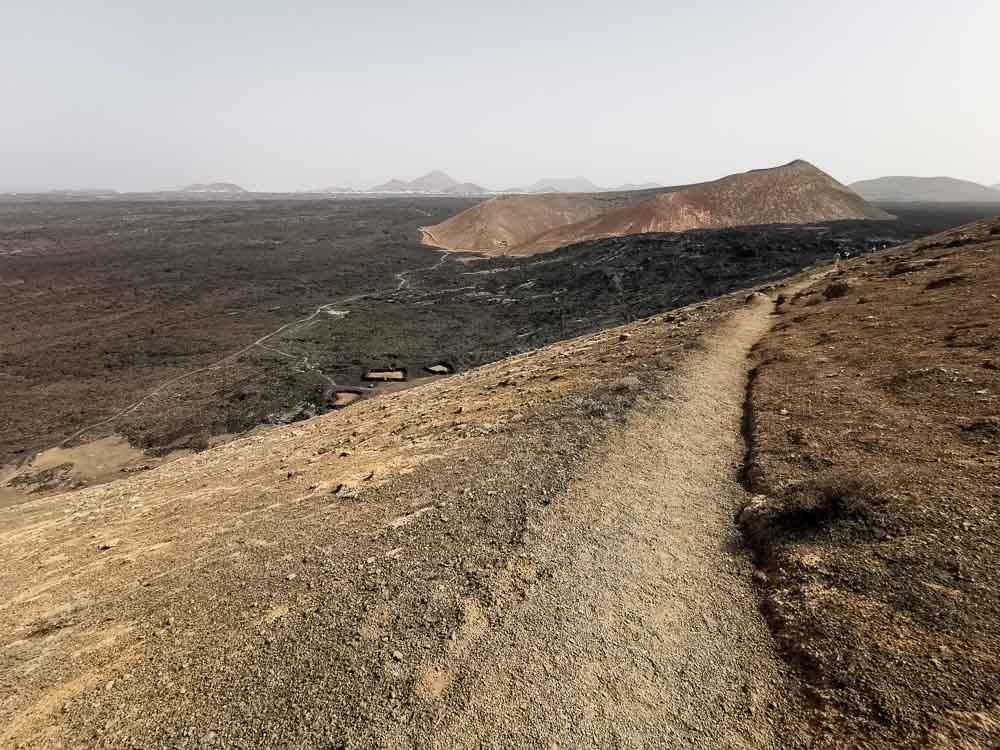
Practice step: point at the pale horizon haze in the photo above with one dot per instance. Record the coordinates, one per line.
(282, 97)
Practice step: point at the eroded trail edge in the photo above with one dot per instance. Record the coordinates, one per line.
(649, 633)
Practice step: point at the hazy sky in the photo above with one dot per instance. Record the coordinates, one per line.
(283, 96)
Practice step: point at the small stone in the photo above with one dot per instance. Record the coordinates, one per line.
(109, 544)
(291, 576)
(398, 656)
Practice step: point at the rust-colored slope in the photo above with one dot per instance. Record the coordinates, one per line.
(796, 193)
(506, 222)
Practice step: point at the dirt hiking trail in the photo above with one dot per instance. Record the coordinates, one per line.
(650, 634)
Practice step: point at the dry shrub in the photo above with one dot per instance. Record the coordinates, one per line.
(837, 289)
(851, 504)
(611, 400)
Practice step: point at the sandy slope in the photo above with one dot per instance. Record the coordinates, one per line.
(515, 553)
(649, 634)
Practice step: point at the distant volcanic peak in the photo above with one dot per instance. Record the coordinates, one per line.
(466, 188)
(213, 187)
(794, 193)
(794, 168)
(797, 176)
(432, 182)
(908, 189)
(392, 186)
(578, 184)
(436, 180)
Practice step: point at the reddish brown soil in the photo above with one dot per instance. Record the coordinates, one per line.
(503, 225)
(875, 426)
(796, 193)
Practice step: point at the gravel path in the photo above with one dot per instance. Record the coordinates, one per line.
(649, 635)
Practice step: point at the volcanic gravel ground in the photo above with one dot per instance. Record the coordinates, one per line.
(876, 458)
(140, 319)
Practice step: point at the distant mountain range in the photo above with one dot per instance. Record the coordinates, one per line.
(439, 183)
(925, 190)
(213, 187)
(560, 185)
(335, 190)
(85, 192)
(577, 185)
(434, 183)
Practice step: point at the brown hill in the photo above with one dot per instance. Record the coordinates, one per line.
(925, 189)
(796, 193)
(506, 223)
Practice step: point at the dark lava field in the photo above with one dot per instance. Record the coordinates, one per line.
(173, 322)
